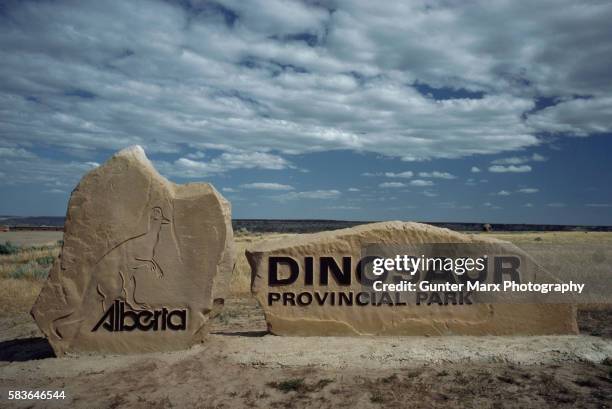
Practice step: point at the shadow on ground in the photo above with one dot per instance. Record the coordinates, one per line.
(25, 349)
(596, 322)
(241, 333)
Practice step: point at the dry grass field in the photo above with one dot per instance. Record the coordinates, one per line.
(25, 268)
(22, 273)
(242, 366)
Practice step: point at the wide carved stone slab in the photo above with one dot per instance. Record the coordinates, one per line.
(144, 266)
(299, 305)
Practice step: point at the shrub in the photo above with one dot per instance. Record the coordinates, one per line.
(8, 248)
(45, 260)
(243, 231)
(288, 385)
(377, 397)
(30, 270)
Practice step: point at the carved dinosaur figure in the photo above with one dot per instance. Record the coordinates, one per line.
(114, 271)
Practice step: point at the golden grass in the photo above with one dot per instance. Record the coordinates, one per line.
(18, 295)
(554, 237)
(20, 279)
(27, 261)
(22, 276)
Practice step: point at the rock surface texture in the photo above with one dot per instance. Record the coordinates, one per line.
(293, 314)
(144, 266)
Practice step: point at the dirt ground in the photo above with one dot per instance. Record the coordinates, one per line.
(241, 365)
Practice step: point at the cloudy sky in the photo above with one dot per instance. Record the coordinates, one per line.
(434, 111)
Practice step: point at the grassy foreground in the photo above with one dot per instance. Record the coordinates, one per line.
(24, 269)
(22, 273)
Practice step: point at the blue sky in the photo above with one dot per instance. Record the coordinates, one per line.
(431, 111)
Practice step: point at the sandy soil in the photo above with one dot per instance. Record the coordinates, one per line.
(242, 366)
(31, 238)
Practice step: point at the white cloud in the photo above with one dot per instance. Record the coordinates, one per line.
(343, 207)
(475, 169)
(228, 190)
(528, 190)
(502, 193)
(510, 168)
(538, 158)
(87, 78)
(519, 160)
(437, 175)
(604, 205)
(251, 160)
(55, 191)
(16, 153)
(580, 117)
(392, 184)
(406, 175)
(189, 168)
(429, 193)
(354, 189)
(195, 155)
(314, 194)
(266, 186)
(421, 182)
(510, 161)
(528, 205)
(556, 204)
(474, 182)
(42, 171)
(490, 205)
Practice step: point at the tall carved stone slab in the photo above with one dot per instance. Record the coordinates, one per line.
(301, 304)
(144, 266)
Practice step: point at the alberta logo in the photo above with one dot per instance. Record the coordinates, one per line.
(117, 318)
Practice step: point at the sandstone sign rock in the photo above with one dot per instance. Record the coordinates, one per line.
(313, 284)
(144, 265)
